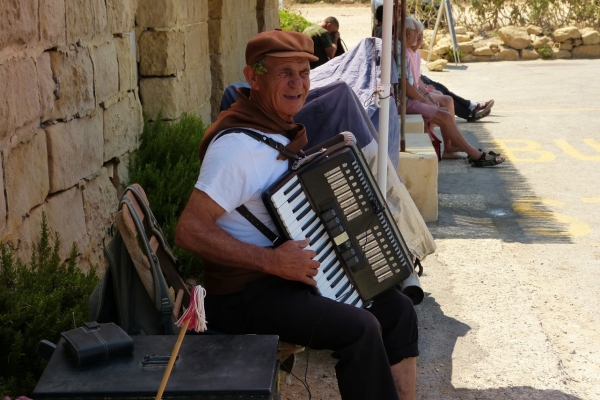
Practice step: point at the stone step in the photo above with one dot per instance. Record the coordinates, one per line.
(414, 123)
(418, 169)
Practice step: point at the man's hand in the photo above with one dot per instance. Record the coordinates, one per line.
(296, 263)
(335, 37)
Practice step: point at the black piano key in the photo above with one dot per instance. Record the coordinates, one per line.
(292, 187)
(345, 296)
(295, 194)
(320, 249)
(300, 205)
(304, 212)
(313, 230)
(315, 238)
(326, 254)
(355, 302)
(337, 279)
(309, 222)
(330, 264)
(342, 289)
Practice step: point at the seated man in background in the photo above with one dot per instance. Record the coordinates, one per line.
(326, 39)
(253, 288)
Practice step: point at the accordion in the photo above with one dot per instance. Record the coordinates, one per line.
(332, 197)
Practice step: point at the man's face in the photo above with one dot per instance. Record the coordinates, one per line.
(331, 28)
(284, 87)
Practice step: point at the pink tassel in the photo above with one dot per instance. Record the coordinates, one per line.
(194, 315)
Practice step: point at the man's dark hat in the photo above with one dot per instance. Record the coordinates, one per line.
(278, 43)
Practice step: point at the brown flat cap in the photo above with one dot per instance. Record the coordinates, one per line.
(278, 43)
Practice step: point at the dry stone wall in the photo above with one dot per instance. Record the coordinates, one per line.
(75, 76)
(518, 43)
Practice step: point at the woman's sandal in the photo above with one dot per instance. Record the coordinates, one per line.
(483, 161)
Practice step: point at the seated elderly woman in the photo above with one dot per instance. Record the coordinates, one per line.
(438, 108)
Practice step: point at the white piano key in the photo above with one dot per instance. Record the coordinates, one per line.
(289, 207)
(295, 223)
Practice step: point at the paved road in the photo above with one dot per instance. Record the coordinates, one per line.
(513, 298)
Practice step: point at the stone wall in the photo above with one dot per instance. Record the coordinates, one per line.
(69, 114)
(75, 76)
(518, 43)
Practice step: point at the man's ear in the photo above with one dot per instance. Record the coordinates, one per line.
(251, 77)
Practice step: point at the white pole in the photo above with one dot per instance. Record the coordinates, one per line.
(384, 94)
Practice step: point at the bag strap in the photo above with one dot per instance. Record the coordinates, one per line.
(163, 303)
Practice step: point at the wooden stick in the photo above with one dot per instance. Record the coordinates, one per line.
(165, 378)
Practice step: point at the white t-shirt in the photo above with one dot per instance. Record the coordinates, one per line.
(236, 170)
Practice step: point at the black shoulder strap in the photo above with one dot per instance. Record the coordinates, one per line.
(264, 139)
(243, 210)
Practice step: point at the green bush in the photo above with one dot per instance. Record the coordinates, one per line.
(454, 57)
(166, 165)
(545, 52)
(38, 300)
(292, 22)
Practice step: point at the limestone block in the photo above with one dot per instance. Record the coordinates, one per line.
(441, 49)
(26, 174)
(542, 41)
(193, 11)
(482, 58)
(86, 19)
(157, 13)
(460, 30)
(558, 54)
(73, 74)
(126, 58)
(100, 204)
(106, 71)
(66, 217)
(418, 169)
(46, 85)
(437, 65)
(2, 198)
(463, 38)
(566, 45)
(468, 57)
(19, 94)
(577, 42)
(425, 54)
(267, 14)
(562, 34)
(534, 30)
(586, 51)
(175, 95)
(161, 52)
(52, 23)
(507, 53)
(483, 51)
(74, 150)
(196, 45)
(515, 37)
(528, 54)
(198, 84)
(413, 123)
(123, 124)
(590, 37)
(465, 47)
(19, 22)
(121, 15)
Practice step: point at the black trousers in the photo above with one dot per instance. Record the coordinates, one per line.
(461, 106)
(365, 341)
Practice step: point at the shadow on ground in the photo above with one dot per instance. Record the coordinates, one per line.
(438, 335)
(494, 202)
